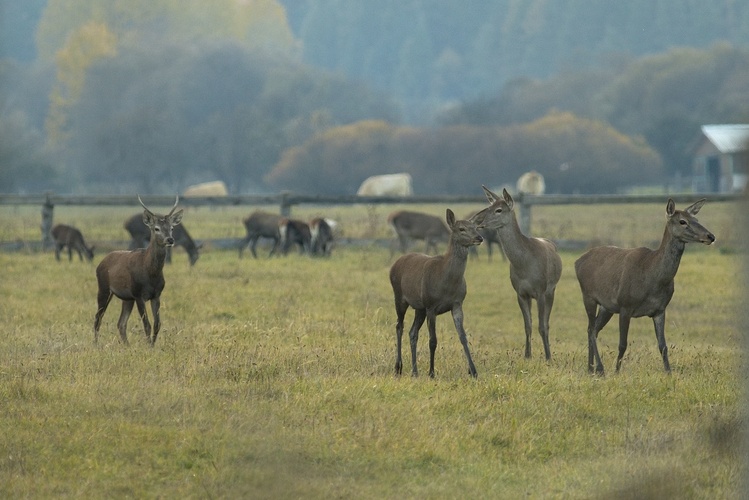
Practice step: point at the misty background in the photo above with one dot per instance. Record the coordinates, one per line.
(150, 96)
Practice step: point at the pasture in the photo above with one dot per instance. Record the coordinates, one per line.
(273, 378)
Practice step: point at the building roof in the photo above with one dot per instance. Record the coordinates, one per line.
(728, 138)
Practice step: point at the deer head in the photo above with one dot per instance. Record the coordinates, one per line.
(161, 225)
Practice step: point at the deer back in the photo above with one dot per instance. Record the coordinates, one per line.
(263, 224)
(418, 225)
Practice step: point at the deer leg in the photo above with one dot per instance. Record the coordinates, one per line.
(419, 317)
(624, 319)
(127, 308)
(70, 253)
(545, 303)
(155, 306)
(432, 327)
(660, 333)
(403, 243)
(57, 251)
(144, 318)
(597, 319)
(253, 244)
(400, 311)
(525, 308)
(102, 300)
(457, 313)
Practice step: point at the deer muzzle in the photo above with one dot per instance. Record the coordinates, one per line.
(169, 241)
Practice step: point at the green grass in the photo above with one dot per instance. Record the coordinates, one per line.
(273, 378)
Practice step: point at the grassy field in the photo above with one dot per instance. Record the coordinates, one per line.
(272, 378)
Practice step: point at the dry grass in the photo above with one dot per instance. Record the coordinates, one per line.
(273, 378)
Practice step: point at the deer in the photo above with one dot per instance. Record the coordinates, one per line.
(141, 235)
(433, 285)
(294, 232)
(260, 224)
(137, 276)
(418, 226)
(322, 237)
(535, 265)
(71, 237)
(636, 282)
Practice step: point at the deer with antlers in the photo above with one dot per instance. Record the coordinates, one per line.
(137, 276)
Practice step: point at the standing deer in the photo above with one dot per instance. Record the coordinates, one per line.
(636, 282)
(137, 276)
(260, 224)
(321, 236)
(535, 265)
(418, 226)
(141, 235)
(71, 237)
(433, 286)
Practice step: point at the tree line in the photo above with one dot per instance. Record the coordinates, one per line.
(167, 94)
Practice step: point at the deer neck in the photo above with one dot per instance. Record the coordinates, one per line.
(668, 256)
(456, 258)
(514, 243)
(155, 256)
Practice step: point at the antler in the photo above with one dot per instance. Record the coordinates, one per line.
(176, 201)
(175, 205)
(144, 206)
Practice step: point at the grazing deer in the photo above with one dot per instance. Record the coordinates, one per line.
(260, 224)
(141, 235)
(535, 265)
(322, 237)
(137, 276)
(636, 282)
(433, 286)
(418, 226)
(68, 236)
(294, 232)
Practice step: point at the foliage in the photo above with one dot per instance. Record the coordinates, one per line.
(261, 386)
(664, 98)
(575, 155)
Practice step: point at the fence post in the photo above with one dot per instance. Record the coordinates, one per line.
(48, 216)
(285, 205)
(525, 216)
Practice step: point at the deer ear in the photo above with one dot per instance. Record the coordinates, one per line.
(508, 199)
(695, 207)
(450, 217)
(148, 218)
(176, 218)
(489, 195)
(670, 208)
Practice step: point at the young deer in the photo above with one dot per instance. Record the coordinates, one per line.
(137, 276)
(636, 282)
(68, 236)
(535, 265)
(433, 286)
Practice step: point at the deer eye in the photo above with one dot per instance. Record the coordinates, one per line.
(682, 222)
(498, 211)
(157, 229)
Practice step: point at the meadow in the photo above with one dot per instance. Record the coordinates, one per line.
(273, 378)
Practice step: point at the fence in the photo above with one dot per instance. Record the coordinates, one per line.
(287, 200)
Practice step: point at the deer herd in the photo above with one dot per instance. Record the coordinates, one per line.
(630, 282)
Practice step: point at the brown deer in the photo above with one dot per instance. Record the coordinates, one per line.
(636, 282)
(137, 276)
(535, 265)
(71, 237)
(294, 232)
(410, 225)
(433, 286)
(141, 235)
(260, 224)
(322, 238)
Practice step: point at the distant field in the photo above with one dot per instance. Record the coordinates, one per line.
(272, 378)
